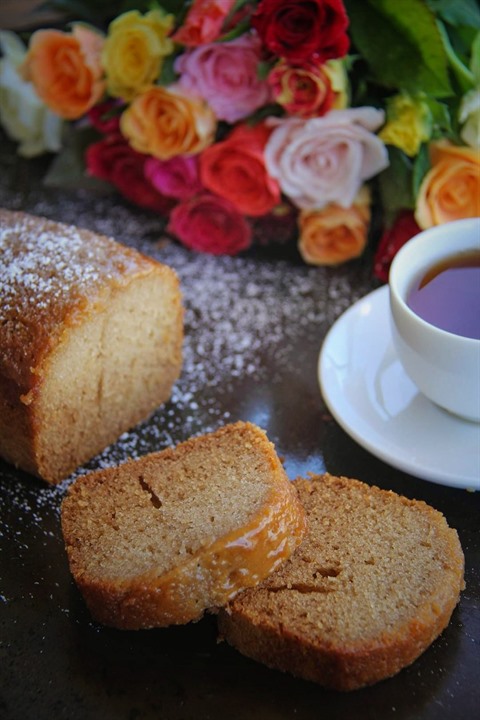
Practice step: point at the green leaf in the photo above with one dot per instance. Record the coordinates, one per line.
(171, 6)
(395, 183)
(67, 169)
(462, 74)
(263, 69)
(420, 168)
(457, 12)
(401, 43)
(475, 59)
(240, 29)
(167, 73)
(440, 114)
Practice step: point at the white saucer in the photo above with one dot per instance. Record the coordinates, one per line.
(374, 401)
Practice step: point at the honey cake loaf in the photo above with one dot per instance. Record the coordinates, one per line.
(373, 583)
(91, 337)
(158, 540)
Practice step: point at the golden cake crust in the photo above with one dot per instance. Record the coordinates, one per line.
(50, 273)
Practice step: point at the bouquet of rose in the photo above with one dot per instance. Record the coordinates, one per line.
(239, 120)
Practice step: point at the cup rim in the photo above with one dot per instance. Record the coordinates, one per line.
(409, 248)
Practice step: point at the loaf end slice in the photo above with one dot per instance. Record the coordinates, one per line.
(91, 337)
(159, 540)
(373, 583)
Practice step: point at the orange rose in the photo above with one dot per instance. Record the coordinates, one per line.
(305, 91)
(335, 234)
(451, 188)
(164, 123)
(65, 69)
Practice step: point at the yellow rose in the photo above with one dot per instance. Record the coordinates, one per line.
(165, 123)
(134, 51)
(335, 234)
(408, 124)
(451, 188)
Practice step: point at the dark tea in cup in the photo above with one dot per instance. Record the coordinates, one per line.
(447, 295)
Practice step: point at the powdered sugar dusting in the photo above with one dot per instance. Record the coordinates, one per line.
(247, 324)
(43, 265)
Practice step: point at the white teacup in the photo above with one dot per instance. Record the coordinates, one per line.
(444, 366)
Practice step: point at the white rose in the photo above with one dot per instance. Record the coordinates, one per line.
(22, 114)
(326, 159)
(469, 116)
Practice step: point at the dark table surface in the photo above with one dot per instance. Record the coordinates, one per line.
(254, 328)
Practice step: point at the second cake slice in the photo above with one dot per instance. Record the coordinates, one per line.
(373, 583)
(159, 540)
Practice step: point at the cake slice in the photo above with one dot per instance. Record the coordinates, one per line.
(91, 339)
(159, 540)
(373, 583)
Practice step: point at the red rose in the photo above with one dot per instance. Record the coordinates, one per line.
(210, 224)
(298, 29)
(235, 170)
(278, 227)
(402, 230)
(112, 159)
(105, 117)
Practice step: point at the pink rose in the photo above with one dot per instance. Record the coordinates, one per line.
(226, 76)
(326, 159)
(178, 177)
(204, 22)
(210, 224)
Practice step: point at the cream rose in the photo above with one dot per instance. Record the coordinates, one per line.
(22, 114)
(326, 159)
